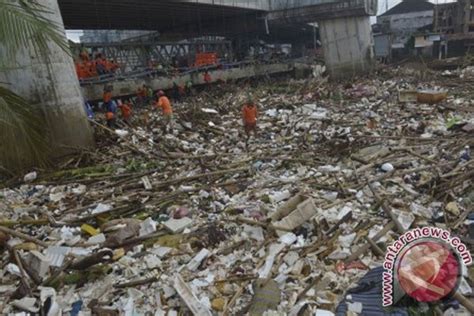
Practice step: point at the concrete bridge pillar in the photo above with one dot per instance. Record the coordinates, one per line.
(50, 84)
(347, 45)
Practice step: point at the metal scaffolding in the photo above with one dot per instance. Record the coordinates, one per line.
(140, 56)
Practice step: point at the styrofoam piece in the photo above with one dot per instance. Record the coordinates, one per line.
(274, 250)
(280, 196)
(303, 212)
(254, 232)
(29, 177)
(195, 262)
(178, 225)
(56, 254)
(148, 226)
(95, 240)
(189, 298)
(38, 263)
(26, 304)
(101, 208)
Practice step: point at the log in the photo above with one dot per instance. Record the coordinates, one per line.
(374, 246)
(468, 304)
(136, 283)
(20, 235)
(387, 211)
(363, 249)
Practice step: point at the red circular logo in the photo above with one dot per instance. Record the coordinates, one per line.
(428, 270)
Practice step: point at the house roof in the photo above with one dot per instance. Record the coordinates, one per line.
(408, 6)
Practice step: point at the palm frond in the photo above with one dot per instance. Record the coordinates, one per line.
(24, 24)
(23, 139)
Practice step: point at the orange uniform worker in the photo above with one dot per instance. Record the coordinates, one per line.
(80, 70)
(142, 95)
(207, 77)
(249, 117)
(90, 68)
(114, 66)
(111, 66)
(165, 105)
(126, 111)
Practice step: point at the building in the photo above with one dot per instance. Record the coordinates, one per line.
(455, 17)
(456, 22)
(405, 19)
(427, 44)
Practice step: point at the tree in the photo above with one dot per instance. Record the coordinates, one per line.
(40, 100)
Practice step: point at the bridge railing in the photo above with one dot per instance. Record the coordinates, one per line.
(139, 56)
(153, 74)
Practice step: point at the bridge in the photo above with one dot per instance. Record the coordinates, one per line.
(52, 83)
(128, 86)
(344, 24)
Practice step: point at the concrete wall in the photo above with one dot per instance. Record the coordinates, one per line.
(122, 88)
(51, 85)
(290, 4)
(347, 45)
(321, 10)
(404, 25)
(244, 4)
(110, 36)
(275, 5)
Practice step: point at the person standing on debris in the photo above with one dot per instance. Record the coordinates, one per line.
(149, 94)
(110, 115)
(176, 94)
(109, 106)
(165, 105)
(207, 78)
(249, 117)
(142, 95)
(107, 96)
(189, 88)
(89, 111)
(126, 110)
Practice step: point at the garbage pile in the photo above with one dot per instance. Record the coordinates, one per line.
(201, 221)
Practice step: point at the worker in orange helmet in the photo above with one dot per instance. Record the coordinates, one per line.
(165, 105)
(249, 118)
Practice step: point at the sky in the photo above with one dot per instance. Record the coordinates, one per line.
(383, 4)
(73, 35)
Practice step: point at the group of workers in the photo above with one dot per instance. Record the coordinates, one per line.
(87, 67)
(111, 106)
(249, 110)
